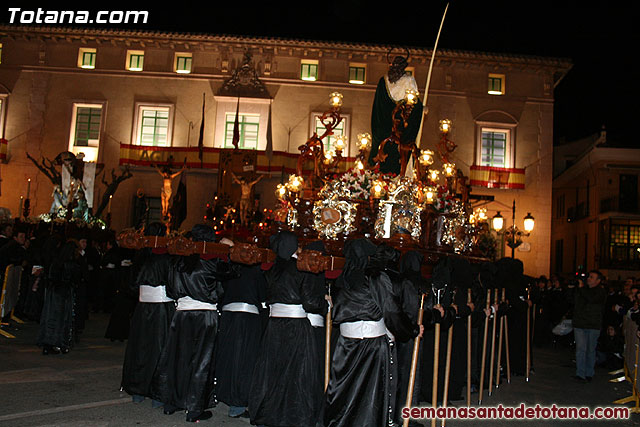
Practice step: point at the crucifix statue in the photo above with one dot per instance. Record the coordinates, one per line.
(165, 194)
(245, 198)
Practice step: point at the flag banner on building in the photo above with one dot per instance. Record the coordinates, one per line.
(236, 127)
(281, 162)
(490, 177)
(201, 137)
(4, 144)
(269, 150)
(88, 180)
(179, 203)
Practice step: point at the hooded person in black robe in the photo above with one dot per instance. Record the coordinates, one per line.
(150, 322)
(484, 278)
(368, 309)
(510, 276)
(239, 337)
(442, 283)
(185, 375)
(287, 378)
(413, 286)
(57, 333)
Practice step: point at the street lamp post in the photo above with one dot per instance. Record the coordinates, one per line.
(513, 235)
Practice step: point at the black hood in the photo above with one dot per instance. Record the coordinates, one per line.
(356, 253)
(203, 233)
(411, 263)
(284, 244)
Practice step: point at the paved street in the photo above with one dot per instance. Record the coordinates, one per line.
(82, 388)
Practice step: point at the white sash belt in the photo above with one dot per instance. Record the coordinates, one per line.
(188, 303)
(240, 306)
(363, 329)
(317, 320)
(153, 294)
(294, 311)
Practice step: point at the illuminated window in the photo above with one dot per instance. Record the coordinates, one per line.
(154, 124)
(494, 148)
(495, 144)
(309, 70)
(87, 58)
(135, 60)
(86, 127)
(248, 126)
(357, 74)
(496, 84)
(183, 63)
(340, 130)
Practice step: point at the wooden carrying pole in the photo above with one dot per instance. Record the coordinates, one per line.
(506, 341)
(436, 354)
(447, 370)
(327, 349)
(500, 335)
(469, 352)
(414, 363)
(484, 348)
(493, 345)
(528, 338)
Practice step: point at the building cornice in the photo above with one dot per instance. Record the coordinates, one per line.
(280, 46)
(596, 157)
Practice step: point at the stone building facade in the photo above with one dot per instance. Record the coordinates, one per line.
(131, 98)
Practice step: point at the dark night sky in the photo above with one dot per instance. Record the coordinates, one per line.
(598, 38)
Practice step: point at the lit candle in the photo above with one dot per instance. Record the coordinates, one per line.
(109, 208)
(28, 187)
(430, 193)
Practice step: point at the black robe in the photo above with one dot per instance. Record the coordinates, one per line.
(239, 336)
(185, 374)
(57, 318)
(362, 388)
(287, 379)
(149, 329)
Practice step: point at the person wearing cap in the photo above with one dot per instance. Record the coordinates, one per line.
(150, 321)
(287, 379)
(184, 378)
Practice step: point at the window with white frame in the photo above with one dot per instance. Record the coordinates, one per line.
(87, 58)
(86, 128)
(182, 63)
(135, 60)
(320, 129)
(309, 70)
(253, 122)
(495, 147)
(153, 124)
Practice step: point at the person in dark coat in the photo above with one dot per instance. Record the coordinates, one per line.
(287, 378)
(239, 336)
(57, 332)
(369, 311)
(589, 299)
(150, 322)
(185, 377)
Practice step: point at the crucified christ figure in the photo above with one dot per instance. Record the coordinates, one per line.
(245, 198)
(165, 194)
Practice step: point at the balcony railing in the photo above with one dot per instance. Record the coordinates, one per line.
(614, 204)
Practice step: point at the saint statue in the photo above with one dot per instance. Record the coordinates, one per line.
(245, 198)
(165, 194)
(390, 92)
